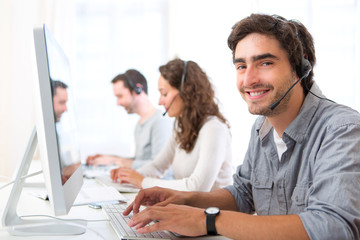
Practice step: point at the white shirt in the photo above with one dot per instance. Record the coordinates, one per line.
(208, 166)
(280, 144)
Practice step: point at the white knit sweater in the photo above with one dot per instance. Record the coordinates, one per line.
(207, 167)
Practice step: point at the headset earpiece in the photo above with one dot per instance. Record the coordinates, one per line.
(305, 66)
(137, 89)
(304, 69)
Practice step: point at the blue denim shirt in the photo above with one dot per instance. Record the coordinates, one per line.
(318, 176)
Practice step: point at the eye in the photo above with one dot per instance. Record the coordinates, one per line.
(240, 67)
(266, 63)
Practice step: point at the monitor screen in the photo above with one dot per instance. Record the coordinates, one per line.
(55, 125)
(54, 132)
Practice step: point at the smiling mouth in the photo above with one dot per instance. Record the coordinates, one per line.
(258, 93)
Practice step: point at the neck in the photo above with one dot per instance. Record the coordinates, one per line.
(145, 109)
(282, 120)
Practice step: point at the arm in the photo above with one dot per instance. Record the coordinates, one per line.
(191, 221)
(154, 168)
(100, 159)
(156, 196)
(332, 211)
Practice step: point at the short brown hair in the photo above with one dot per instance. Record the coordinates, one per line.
(292, 35)
(133, 77)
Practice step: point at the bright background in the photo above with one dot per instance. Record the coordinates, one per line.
(105, 37)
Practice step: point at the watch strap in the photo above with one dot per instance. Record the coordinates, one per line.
(210, 224)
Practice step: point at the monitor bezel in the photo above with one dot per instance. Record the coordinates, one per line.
(61, 196)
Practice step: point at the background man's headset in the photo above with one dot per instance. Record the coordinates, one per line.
(137, 89)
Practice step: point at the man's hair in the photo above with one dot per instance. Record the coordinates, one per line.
(131, 78)
(57, 84)
(292, 35)
(198, 99)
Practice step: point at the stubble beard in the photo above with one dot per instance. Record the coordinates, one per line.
(260, 109)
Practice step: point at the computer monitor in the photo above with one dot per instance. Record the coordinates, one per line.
(60, 159)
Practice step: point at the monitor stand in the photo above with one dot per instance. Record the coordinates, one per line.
(34, 227)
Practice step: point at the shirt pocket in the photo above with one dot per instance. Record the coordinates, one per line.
(262, 191)
(298, 199)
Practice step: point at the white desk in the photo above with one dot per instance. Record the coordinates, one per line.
(30, 205)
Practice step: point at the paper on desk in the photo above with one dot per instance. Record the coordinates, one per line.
(98, 194)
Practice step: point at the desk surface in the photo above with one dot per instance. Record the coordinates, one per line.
(30, 205)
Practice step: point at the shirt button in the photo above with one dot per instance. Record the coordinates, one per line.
(256, 182)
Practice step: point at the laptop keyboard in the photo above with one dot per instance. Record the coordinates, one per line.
(119, 223)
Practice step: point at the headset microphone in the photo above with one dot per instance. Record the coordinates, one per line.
(170, 104)
(305, 69)
(181, 86)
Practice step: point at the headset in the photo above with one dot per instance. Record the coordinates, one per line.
(183, 76)
(302, 71)
(137, 89)
(181, 86)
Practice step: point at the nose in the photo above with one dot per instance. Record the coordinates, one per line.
(250, 76)
(118, 102)
(161, 101)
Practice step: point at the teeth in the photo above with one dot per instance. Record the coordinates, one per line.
(256, 93)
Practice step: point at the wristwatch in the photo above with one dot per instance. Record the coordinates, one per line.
(211, 214)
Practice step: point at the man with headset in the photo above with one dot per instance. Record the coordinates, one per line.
(301, 172)
(152, 130)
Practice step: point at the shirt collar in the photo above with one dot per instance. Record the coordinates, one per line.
(298, 127)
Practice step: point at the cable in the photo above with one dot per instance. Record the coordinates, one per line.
(318, 96)
(23, 177)
(5, 177)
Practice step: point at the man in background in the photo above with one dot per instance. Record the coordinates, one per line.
(60, 98)
(152, 130)
(69, 154)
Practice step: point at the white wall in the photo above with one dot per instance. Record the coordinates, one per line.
(16, 75)
(18, 72)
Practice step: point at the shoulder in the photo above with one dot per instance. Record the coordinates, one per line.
(158, 118)
(214, 124)
(337, 115)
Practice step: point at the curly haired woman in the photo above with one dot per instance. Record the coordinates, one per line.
(199, 150)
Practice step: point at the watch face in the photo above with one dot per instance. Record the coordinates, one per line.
(212, 210)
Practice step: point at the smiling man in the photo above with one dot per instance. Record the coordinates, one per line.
(301, 172)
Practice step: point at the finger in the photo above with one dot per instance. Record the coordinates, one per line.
(128, 210)
(146, 216)
(112, 174)
(157, 226)
(137, 201)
